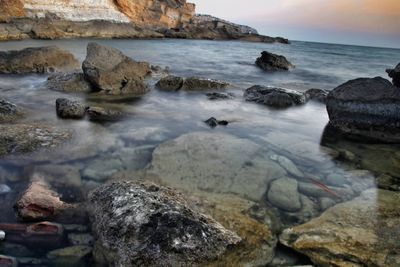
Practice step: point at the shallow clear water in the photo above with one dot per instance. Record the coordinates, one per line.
(296, 133)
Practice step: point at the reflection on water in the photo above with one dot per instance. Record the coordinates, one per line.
(325, 169)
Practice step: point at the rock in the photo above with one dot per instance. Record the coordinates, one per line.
(195, 83)
(347, 155)
(15, 250)
(361, 232)
(110, 71)
(388, 182)
(101, 170)
(326, 203)
(80, 239)
(318, 95)
(336, 179)
(8, 261)
(170, 83)
(395, 75)
(308, 211)
(4, 189)
(102, 114)
(69, 82)
(366, 109)
(274, 97)
(213, 122)
(273, 62)
(163, 230)
(360, 180)
(288, 165)
(39, 202)
(215, 162)
(219, 96)
(70, 109)
(8, 111)
(24, 138)
(37, 60)
(70, 256)
(283, 194)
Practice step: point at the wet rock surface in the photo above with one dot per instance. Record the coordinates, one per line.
(170, 83)
(8, 111)
(395, 75)
(317, 95)
(70, 109)
(220, 96)
(111, 72)
(366, 109)
(103, 114)
(213, 122)
(24, 138)
(69, 82)
(362, 232)
(148, 225)
(274, 97)
(174, 83)
(215, 162)
(37, 60)
(283, 194)
(272, 62)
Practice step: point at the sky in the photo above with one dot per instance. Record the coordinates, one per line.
(360, 22)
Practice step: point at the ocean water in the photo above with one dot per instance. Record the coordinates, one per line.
(298, 133)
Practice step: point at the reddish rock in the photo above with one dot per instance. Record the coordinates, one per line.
(39, 202)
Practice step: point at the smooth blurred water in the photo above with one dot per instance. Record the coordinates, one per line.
(296, 132)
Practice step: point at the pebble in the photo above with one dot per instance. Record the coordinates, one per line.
(4, 189)
(2, 235)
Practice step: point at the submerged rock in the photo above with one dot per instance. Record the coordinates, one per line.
(274, 97)
(39, 203)
(272, 62)
(362, 232)
(102, 114)
(37, 60)
(215, 162)
(283, 194)
(24, 138)
(366, 109)
(170, 83)
(113, 73)
(8, 111)
(196, 83)
(69, 82)
(70, 109)
(70, 256)
(213, 122)
(318, 95)
(148, 225)
(4, 189)
(219, 96)
(395, 75)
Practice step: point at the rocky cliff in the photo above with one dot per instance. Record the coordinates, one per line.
(50, 19)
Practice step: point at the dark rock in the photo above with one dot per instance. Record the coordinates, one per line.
(6, 261)
(274, 97)
(37, 60)
(170, 83)
(318, 95)
(70, 256)
(102, 114)
(148, 225)
(70, 109)
(395, 75)
(110, 71)
(273, 62)
(69, 82)
(219, 96)
(213, 122)
(4, 189)
(366, 109)
(8, 111)
(195, 83)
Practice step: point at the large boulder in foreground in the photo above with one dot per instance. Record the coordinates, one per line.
(395, 75)
(272, 62)
(215, 162)
(142, 224)
(37, 60)
(362, 232)
(366, 109)
(112, 72)
(274, 97)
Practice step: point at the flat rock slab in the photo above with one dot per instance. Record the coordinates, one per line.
(215, 162)
(37, 60)
(143, 224)
(361, 232)
(69, 82)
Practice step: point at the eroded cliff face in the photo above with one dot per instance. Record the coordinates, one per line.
(161, 13)
(10, 9)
